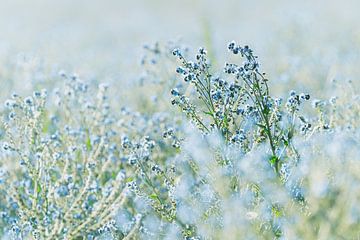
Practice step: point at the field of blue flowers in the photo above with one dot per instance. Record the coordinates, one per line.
(179, 120)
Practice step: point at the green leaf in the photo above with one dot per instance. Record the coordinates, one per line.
(273, 160)
(208, 113)
(38, 190)
(153, 196)
(276, 210)
(129, 179)
(225, 121)
(88, 144)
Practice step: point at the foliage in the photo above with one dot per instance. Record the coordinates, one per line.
(240, 163)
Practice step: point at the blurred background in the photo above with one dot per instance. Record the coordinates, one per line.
(298, 42)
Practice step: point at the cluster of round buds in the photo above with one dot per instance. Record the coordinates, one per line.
(169, 134)
(248, 111)
(10, 104)
(219, 83)
(184, 103)
(225, 96)
(225, 92)
(179, 99)
(192, 70)
(181, 71)
(216, 95)
(175, 92)
(189, 75)
(333, 100)
(249, 69)
(304, 96)
(108, 227)
(132, 185)
(29, 101)
(138, 151)
(15, 230)
(133, 159)
(147, 143)
(318, 103)
(176, 52)
(305, 128)
(125, 142)
(295, 100)
(236, 49)
(230, 68)
(278, 102)
(6, 146)
(201, 56)
(156, 169)
(40, 94)
(239, 137)
(36, 234)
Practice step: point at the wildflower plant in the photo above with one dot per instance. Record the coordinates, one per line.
(239, 104)
(64, 181)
